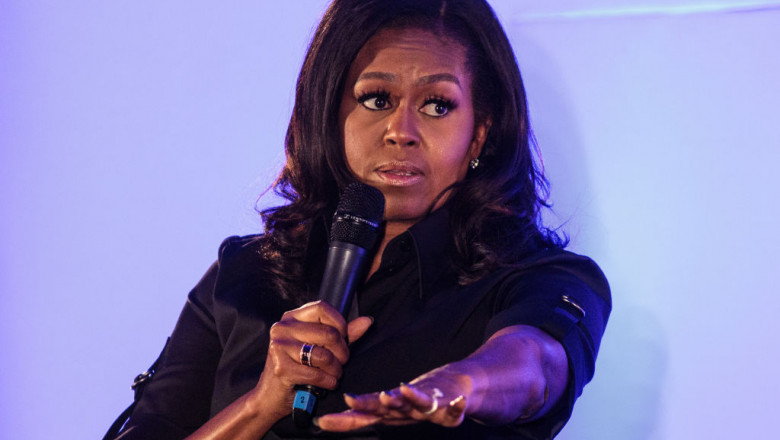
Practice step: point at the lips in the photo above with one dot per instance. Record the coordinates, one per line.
(399, 173)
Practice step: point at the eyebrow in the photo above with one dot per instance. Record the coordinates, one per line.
(428, 79)
(437, 78)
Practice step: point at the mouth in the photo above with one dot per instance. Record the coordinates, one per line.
(399, 174)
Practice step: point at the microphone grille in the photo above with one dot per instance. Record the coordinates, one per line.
(358, 215)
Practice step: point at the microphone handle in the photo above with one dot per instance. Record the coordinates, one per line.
(343, 266)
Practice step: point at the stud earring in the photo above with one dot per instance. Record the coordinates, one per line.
(474, 163)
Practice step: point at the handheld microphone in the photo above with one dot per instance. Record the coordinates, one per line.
(353, 235)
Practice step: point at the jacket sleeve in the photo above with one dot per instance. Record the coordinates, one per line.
(567, 296)
(177, 400)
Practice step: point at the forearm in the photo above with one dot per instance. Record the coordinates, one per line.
(243, 419)
(517, 375)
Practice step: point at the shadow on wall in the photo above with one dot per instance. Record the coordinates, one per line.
(624, 399)
(563, 155)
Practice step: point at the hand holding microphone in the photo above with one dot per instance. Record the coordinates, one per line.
(319, 325)
(353, 235)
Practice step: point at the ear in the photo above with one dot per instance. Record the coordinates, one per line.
(481, 130)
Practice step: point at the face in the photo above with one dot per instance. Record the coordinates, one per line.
(407, 119)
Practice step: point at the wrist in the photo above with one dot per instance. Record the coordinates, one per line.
(259, 406)
(471, 380)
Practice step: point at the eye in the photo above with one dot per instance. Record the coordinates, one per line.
(437, 107)
(375, 100)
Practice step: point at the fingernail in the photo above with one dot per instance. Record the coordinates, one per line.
(316, 421)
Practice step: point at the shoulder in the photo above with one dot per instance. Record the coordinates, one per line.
(236, 258)
(238, 254)
(239, 285)
(236, 246)
(239, 263)
(553, 266)
(552, 284)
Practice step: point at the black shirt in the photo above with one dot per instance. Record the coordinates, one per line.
(422, 320)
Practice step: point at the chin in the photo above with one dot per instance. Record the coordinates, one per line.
(405, 211)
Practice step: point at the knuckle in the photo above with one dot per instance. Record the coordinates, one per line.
(312, 307)
(277, 328)
(341, 357)
(329, 382)
(312, 376)
(334, 370)
(332, 335)
(326, 357)
(304, 306)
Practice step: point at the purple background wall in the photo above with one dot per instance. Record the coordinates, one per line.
(135, 136)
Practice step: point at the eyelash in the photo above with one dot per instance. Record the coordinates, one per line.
(383, 95)
(439, 100)
(379, 94)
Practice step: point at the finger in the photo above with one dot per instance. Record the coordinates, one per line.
(394, 400)
(290, 372)
(417, 398)
(454, 412)
(358, 327)
(289, 351)
(324, 359)
(319, 312)
(346, 421)
(398, 421)
(364, 403)
(315, 376)
(384, 404)
(311, 333)
(435, 409)
(390, 405)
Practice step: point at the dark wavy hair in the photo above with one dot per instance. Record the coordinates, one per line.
(495, 210)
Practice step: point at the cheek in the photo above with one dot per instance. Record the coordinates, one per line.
(455, 150)
(454, 168)
(351, 146)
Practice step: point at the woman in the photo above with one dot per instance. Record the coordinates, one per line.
(472, 304)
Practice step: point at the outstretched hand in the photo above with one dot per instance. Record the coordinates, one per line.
(434, 397)
(516, 376)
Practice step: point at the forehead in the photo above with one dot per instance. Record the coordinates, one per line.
(410, 51)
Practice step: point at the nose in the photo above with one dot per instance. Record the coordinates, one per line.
(402, 128)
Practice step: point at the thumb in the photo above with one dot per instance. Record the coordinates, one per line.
(358, 327)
